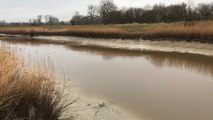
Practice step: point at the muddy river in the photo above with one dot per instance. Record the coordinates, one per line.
(161, 81)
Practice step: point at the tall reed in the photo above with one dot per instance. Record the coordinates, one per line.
(26, 94)
(197, 31)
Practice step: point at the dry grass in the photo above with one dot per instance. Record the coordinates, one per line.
(88, 31)
(200, 31)
(27, 94)
(93, 31)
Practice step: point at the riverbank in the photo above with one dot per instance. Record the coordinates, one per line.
(201, 31)
(129, 45)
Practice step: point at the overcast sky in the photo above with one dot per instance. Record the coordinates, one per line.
(23, 10)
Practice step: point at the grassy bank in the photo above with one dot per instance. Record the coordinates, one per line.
(199, 31)
(26, 94)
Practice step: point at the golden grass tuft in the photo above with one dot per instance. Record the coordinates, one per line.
(27, 94)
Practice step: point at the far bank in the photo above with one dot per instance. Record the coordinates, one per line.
(199, 31)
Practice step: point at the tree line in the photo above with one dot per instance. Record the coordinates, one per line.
(108, 13)
(38, 21)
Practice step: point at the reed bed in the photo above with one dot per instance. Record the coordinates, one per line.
(197, 31)
(97, 32)
(26, 94)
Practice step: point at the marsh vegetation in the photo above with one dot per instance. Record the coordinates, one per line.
(200, 31)
(27, 93)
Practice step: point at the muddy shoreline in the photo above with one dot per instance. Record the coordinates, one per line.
(142, 46)
(125, 37)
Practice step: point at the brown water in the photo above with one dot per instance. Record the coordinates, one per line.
(153, 85)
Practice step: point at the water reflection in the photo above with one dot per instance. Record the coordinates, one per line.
(192, 62)
(22, 40)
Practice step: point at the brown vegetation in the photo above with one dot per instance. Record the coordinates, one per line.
(85, 31)
(197, 31)
(27, 94)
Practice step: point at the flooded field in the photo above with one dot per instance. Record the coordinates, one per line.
(154, 81)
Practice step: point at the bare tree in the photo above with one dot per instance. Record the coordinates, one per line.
(159, 12)
(76, 19)
(50, 20)
(148, 7)
(93, 13)
(107, 6)
(176, 12)
(47, 18)
(92, 10)
(205, 11)
(189, 12)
